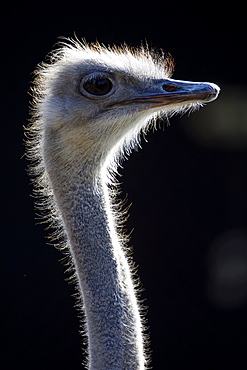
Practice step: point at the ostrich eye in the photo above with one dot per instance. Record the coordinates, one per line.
(97, 85)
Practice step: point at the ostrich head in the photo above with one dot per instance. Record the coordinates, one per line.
(96, 100)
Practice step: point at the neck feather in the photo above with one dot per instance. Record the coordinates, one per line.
(113, 321)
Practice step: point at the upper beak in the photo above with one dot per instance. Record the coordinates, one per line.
(172, 92)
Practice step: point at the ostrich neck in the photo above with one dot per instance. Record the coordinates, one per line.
(112, 316)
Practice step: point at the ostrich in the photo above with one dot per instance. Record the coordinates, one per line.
(90, 104)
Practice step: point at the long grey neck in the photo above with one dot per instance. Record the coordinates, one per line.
(112, 315)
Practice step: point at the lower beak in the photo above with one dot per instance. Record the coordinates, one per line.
(175, 92)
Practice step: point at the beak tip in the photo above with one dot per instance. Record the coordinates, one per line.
(214, 91)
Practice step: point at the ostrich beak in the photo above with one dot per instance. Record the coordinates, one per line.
(173, 92)
(176, 92)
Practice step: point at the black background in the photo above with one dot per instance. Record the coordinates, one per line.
(189, 193)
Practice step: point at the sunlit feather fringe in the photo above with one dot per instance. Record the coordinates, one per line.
(43, 193)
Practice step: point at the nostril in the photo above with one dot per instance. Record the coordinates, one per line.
(170, 88)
